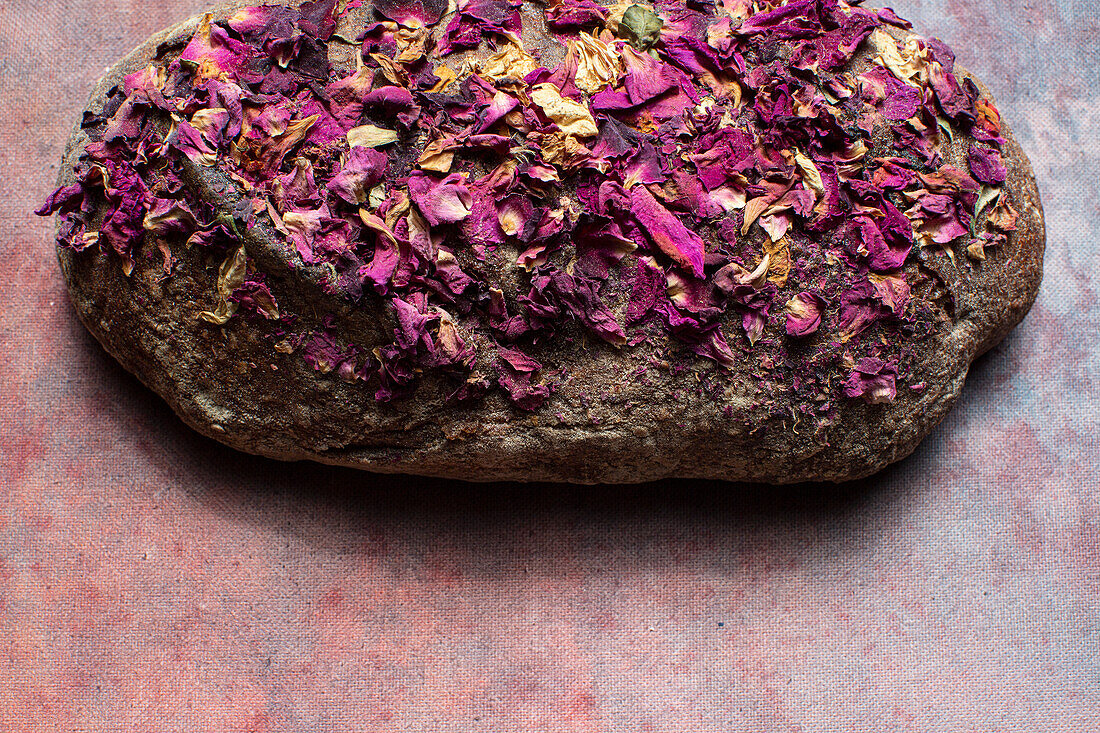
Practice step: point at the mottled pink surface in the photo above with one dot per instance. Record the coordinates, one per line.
(152, 580)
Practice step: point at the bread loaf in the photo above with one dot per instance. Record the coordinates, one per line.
(578, 242)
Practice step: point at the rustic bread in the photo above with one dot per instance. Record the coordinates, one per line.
(564, 286)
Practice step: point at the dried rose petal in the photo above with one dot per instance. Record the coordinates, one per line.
(363, 169)
(859, 308)
(414, 14)
(873, 380)
(213, 52)
(986, 165)
(648, 285)
(804, 313)
(667, 231)
(569, 14)
(64, 199)
(443, 201)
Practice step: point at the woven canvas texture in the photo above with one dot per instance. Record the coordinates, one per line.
(153, 580)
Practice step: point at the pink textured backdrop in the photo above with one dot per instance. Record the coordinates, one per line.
(152, 580)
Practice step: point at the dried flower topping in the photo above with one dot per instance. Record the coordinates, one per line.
(716, 181)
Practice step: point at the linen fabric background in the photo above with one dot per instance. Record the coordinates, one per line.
(153, 580)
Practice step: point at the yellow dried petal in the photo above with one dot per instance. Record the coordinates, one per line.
(230, 277)
(778, 255)
(510, 62)
(371, 136)
(572, 117)
(598, 65)
(563, 150)
(446, 75)
(753, 209)
(204, 118)
(394, 74)
(374, 223)
(909, 63)
(810, 174)
(438, 155)
(411, 43)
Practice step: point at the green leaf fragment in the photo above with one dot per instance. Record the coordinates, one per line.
(640, 27)
(229, 222)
